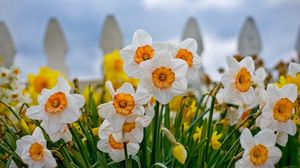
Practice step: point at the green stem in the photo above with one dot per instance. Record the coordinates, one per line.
(209, 129)
(127, 165)
(10, 109)
(144, 149)
(155, 133)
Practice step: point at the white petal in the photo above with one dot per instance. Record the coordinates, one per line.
(288, 127)
(163, 96)
(246, 139)
(36, 113)
(243, 163)
(268, 123)
(110, 88)
(138, 134)
(62, 85)
(140, 38)
(117, 122)
(69, 115)
(266, 137)
(142, 96)
(76, 99)
(105, 110)
(49, 159)
(189, 44)
(273, 93)
(179, 86)
(117, 155)
(227, 79)
(126, 88)
(179, 67)
(45, 94)
(281, 138)
(132, 148)
(274, 154)
(132, 69)
(53, 125)
(102, 145)
(289, 91)
(127, 54)
(232, 63)
(249, 96)
(248, 64)
(38, 133)
(294, 68)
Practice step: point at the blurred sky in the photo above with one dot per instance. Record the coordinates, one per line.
(220, 22)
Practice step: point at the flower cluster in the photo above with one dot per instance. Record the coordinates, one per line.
(244, 86)
(12, 89)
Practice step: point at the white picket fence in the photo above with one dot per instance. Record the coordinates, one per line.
(56, 47)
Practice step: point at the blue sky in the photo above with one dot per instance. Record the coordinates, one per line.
(220, 22)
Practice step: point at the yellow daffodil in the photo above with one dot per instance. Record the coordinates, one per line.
(215, 143)
(197, 134)
(46, 78)
(113, 70)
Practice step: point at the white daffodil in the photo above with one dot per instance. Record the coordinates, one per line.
(63, 133)
(259, 151)
(187, 51)
(278, 111)
(132, 129)
(294, 68)
(33, 151)
(139, 51)
(4, 76)
(57, 106)
(238, 80)
(112, 145)
(164, 76)
(126, 103)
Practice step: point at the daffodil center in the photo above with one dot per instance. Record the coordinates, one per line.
(40, 83)
(143, 53)
(128, 127)
(185, 55)
(56, 103)
(115, 144)
(258, 155)
(124, 103)
(36, 151)
(243, 80)
(283, 110)
(163, 77)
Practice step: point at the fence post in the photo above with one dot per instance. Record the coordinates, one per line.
(249, 43)
(56, 47)
(111, 35)
(192, 30)
(7, 48)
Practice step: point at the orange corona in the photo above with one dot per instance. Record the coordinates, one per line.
(283, 110)
(143, 53)
(243, 80)
(123, 103)
(36, 151)
(56, 103)
(258, 155)
(163, 77)
(185, 55)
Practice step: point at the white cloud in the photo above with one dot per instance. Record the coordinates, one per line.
(193, 4)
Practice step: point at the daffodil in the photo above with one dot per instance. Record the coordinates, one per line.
(33, 151)
(139, 51)
(57, 107)
(126, 103)
(259, 151)
(197, 134)
(164, 76)
(187, 51)
(214, 141)
(237, 81)
(112, 145)
(278, 111)
(46, 78)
